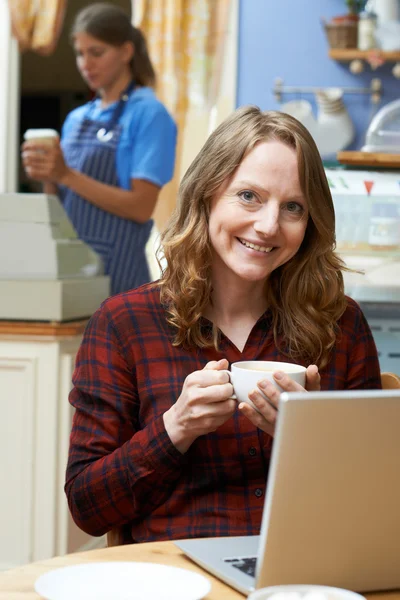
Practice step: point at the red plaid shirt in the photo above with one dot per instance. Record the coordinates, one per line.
(123, 468)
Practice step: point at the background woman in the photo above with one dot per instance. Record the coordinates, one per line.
(158, 444)
(116, 152)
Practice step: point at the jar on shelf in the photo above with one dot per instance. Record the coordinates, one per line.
(366, 30)
(384, 229)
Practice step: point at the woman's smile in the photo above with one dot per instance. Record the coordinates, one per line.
(255, 246)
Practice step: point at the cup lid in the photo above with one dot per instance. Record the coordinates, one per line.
(31, 134)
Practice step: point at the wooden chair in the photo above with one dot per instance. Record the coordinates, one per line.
(390, 381)
(116, 537)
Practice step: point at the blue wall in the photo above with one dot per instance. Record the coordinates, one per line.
(285, 38)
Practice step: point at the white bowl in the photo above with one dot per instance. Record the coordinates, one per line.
(323, 591)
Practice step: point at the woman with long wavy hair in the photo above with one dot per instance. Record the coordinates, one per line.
(158, 445)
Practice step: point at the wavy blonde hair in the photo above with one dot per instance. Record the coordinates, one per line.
(306, 294)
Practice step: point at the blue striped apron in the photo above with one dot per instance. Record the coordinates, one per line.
(121, 243)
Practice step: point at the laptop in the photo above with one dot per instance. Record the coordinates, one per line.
(332, 508)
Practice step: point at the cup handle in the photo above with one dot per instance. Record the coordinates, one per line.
(234, 397)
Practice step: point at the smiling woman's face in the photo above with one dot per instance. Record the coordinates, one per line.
(259, 221)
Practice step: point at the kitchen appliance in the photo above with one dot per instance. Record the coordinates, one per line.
(46, 272)
(383, 133)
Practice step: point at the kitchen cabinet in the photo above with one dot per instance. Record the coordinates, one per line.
(36, 364)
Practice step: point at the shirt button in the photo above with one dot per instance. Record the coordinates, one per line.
(252, 451)
(258, 492)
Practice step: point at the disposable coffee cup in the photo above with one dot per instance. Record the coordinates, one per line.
(41, 136)
(245, 375)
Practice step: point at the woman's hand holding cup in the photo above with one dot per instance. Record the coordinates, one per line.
(258, 385)
(209, 397)
(204, 405)
(42, 156)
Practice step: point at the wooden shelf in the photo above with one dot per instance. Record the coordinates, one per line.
(369, 159)
(349, 54)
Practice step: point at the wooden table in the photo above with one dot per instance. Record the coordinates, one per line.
(18, 584)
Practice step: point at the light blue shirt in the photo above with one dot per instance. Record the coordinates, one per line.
(146, 149)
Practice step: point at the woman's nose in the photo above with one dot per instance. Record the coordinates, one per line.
(84, 62)
(267, 220)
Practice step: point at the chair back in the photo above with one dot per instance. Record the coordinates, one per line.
(390, 381)
(115, 537)
(119, 536)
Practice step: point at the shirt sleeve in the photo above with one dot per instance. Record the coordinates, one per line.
(66, 128)
(116, 471)
(363, 364)
(153, 156)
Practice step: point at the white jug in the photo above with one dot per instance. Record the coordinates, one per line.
(336, 129)
(333, 129)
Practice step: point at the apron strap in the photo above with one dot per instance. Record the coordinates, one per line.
(105, 133)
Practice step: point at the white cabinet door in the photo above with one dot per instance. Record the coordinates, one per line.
(28, 450)
(69, 538)
(18, 380)
(35, 380)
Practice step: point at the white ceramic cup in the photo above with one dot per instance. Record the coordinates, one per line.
(41, 136)
(303, 592)
(245, 375)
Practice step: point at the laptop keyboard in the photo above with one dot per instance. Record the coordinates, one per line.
(246, 565)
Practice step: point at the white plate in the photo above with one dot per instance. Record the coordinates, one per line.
(122, 581)
(318, 591)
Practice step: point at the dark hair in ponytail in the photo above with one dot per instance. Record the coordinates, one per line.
(112, 25)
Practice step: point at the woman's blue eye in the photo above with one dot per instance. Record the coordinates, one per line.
(247, 196)
(294, 207)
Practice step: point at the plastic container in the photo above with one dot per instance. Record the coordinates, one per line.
(383, 134)
(384, 229)
(352, 216)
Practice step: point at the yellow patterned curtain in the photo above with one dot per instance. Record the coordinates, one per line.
(37, 24)
(186, 41)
